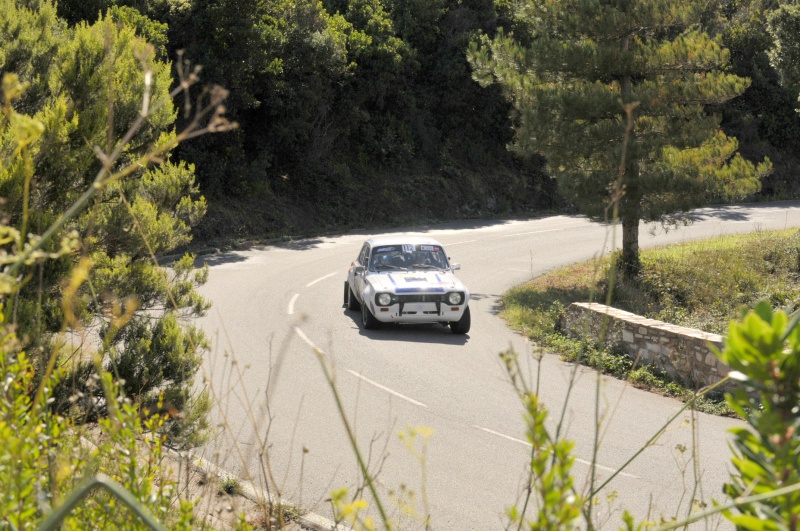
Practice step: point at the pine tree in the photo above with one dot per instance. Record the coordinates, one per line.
(576, 68)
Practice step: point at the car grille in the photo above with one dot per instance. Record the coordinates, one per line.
(421, 297)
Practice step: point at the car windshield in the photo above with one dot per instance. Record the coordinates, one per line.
(407, 257)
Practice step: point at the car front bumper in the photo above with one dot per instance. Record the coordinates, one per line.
(417, 312)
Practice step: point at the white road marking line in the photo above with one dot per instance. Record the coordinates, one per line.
(304, 337)
(459, 243)
(503, 435)
(607, 468)
(290, 311)
(526, 443)
(379, 386)
(311, 344)
(294, 297)
(320, 279)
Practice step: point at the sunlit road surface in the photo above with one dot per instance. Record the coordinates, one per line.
(277, 309)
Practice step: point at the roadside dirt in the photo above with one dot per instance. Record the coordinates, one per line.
(216, 509)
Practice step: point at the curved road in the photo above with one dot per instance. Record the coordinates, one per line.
(274, 305)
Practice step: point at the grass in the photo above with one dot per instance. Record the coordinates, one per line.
(230, 485)
(703, 285)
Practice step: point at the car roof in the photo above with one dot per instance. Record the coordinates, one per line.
(400, 239)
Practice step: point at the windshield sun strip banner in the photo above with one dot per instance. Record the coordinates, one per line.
(420, 290)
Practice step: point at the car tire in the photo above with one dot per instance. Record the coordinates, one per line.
(462, 325)
(350, 298)
(367, 319)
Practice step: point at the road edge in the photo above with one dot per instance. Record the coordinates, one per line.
(309, 520)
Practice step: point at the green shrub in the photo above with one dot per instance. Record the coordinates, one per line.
(44, 457)
(763, 351)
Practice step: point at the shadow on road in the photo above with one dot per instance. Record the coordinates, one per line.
(716, 213)
(410, 333)
(496, 307)
(294, 245)
(720, 212)
(736, 212)
(305, 244)
(218, 259)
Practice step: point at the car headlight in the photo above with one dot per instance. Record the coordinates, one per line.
(383, 299)
(455, 298)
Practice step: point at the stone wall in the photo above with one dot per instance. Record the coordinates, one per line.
(682, 353)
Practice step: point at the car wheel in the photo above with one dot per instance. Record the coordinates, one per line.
(350, 298)
(462, 325)
(367, 319)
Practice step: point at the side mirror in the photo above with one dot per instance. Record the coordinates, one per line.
(359, 269)
(454, 267)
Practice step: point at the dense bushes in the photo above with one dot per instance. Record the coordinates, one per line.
(92, 195)
(335, 98)
(96, 359)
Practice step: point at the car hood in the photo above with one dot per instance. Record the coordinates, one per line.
(415, 282)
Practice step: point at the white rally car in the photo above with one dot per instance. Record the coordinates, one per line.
(406, 279)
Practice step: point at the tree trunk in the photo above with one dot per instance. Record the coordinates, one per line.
(629, 206)
(630, 265)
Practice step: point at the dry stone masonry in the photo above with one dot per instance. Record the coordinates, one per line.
(682, 353)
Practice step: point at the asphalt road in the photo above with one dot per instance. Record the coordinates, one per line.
(274, 305)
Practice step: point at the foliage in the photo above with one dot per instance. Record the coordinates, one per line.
(784, 28)
(25, 443)
(282, 61)
(326, 90)
(701, 284)
(614, 95)
(697, 284)
(339, 101)
(30, 38)
(45, 457)
(763, 349)
(94, 101)
(762, 352)
(230, 485)
(550, 487)
(152, 31)
(350, 512)
(763, 118)
(101, 106)
(342, 100)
